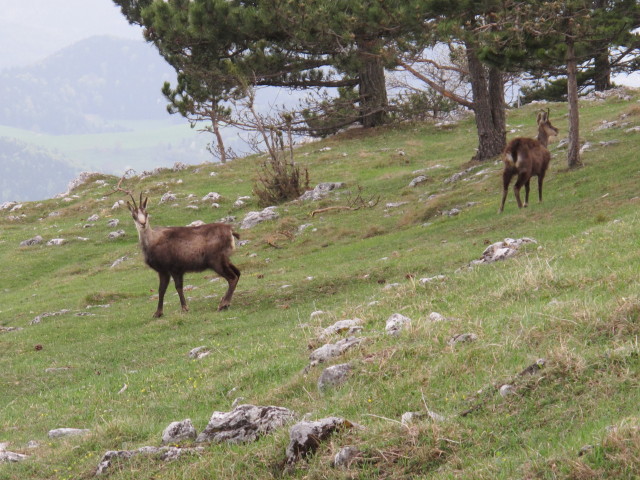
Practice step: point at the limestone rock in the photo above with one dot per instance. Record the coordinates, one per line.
(321, 190)
(396, 323)
(113, 222)
(334, 376)
(418, 180)
(245, 423)
(56, 241)
(331, 350)
(178, 431)
(37, 240)
(199, 352)
(6, 456)
(349, 326)
(212, 196)
(502, 250)
(346, 456)
(462, 338)
(254, 218)
(305, 437)
(68, 432)
(116, 234)
(165, 454)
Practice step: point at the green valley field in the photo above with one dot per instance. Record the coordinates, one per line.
(568, 303)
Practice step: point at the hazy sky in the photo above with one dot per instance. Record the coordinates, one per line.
(30, 30)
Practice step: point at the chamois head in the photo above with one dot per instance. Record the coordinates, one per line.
(139, 212)
(545, 130)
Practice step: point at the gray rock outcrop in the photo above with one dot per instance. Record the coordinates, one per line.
(179, 431)
(331, 350)
(165, 454)
(334, 376)
(254, 218)
(245, 423)
(305, 437)
(396, 323)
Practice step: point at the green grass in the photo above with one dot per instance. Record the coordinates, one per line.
(571, 299)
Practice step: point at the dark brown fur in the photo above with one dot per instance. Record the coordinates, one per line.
(174, 251)
(526, 158)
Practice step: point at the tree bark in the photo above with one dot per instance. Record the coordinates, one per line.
(372, 86)
(602, 76)
(488, 99)
(573, 155)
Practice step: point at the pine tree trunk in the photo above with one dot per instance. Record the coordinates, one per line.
(573, 155)
(373, 89)
(488, 100)
(602, 67)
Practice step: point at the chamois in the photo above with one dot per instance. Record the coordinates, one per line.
(526, 158)
(173, 251)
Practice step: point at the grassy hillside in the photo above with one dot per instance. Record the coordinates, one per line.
(571, 299)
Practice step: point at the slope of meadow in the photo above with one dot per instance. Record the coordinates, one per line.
(571, 299)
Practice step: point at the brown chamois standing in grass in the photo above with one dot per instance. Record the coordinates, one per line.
(173, 251)
(526, 158)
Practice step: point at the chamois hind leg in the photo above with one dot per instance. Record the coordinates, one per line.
(178, 281)
(522, 180)
(231, 274)
(526, 193)
(164, 283)
(506, 179)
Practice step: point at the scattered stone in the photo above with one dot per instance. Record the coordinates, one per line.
(56, 241)
(346, 456)
(237, 401)
(436, 317)
(39, 318)
(463, 337)
(418, 180)
(113, 222)
(7, 205)
(168, 197)
(199, 352)
(411, 417)
(116, 234)
(317, 313)
(68, 432)
(212, 196)
(239, 203)
(179, 166)
(391, 286)
(6, 457)
(534, 367)
(196, 223)
(424, 281)
(192, 207)
(37, 240)
(245, 423)
(321, 190)
(451, 213)
(350, 326)
(179, 431)
(506, 390)
(458, 176)
(585, 449)
(9, 329)
(609, 143)
(635, 129)
(334, 376)
(502, 250)
(305, 437)
(166, 454)
(605, 125)
(119, 261)
(254, 218)
(331, 350)
(32, 444)
(16, 207)
(396, 323)
(118, 204)
(396, 204)
(93, 218)
(587, 146)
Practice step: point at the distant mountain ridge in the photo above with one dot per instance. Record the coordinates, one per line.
(86, 88)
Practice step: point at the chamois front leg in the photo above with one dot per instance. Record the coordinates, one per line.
(164, 283)
(522, 180)
(540, 180)
(178, 281)
(231, 274)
